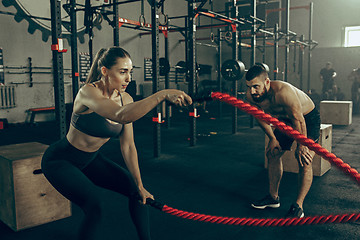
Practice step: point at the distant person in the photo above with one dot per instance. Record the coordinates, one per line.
(327, 77)
(354, 76)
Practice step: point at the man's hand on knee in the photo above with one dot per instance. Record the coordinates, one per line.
(303, 155)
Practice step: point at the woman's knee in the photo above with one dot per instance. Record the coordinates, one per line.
(93, 206)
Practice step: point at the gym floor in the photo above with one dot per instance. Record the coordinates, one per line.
(220, 176)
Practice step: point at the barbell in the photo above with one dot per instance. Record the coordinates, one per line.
(233, 70)
(182, 67)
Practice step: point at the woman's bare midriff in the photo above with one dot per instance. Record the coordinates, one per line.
(83, 141)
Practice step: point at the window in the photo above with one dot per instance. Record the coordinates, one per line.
(352, 36)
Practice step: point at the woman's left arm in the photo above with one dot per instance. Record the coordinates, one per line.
(129, 153)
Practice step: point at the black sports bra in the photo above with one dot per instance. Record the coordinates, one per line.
(95, 125)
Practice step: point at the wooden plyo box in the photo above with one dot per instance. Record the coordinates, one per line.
(320, 165)
(336, 112)
(26, 197)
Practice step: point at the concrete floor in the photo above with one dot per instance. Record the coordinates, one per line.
(220, 176)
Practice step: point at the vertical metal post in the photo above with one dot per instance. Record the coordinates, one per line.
(30, 72)
(287, 49)
(253, 33)
(310, 41)
(276, 50)
(155, 70)
(219, 77)
(116, 27)
(89, 28)
(235, 56)
(228, 6)
(74, 50)
(186, 22)
(264, 49)
(253, 44)
(295, 57)
(301, 63)
(239, 44)
(91, 51)
(58, 70)
(167, 83)
(242, 83)
(191, 63)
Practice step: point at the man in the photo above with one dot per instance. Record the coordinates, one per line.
(295, 108)
(327, 75)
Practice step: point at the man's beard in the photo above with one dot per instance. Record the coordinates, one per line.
(261, 97)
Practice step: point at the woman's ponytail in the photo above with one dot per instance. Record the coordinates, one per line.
(95, 70)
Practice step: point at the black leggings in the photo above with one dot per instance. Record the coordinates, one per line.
(78, 175)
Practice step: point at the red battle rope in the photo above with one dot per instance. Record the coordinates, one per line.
(267, 222)
(259, 114)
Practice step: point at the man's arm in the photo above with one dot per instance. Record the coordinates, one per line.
(288, 99)
(264, 126)
(291, 103)
(273, 143)
(267, 129)
(334, 74)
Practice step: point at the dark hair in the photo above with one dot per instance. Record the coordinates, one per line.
(254, 72)
(105, 58)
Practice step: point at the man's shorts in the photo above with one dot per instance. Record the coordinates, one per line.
(313, 122)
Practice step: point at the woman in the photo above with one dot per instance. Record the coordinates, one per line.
(102, 109)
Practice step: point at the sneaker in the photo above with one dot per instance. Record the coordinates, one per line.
(295, 211)
(267, 201)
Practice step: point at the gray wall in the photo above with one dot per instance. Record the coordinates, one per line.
(329, 19)
(330, 16)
